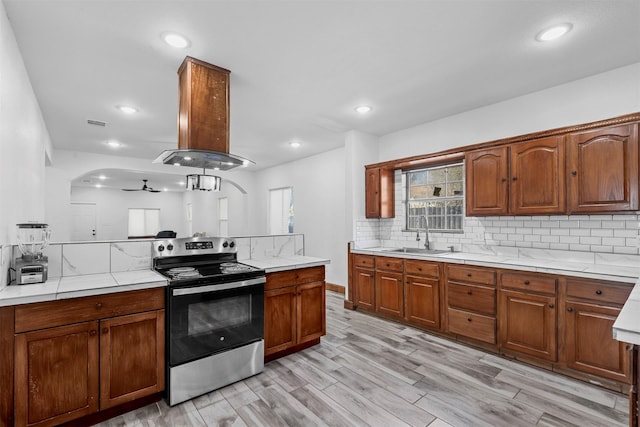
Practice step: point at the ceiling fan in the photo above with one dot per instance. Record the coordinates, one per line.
(145, 187)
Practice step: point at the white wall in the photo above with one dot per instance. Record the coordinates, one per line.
(24, 145)
(598, 97)
(319, 206)
(112, 210)
(68, 165)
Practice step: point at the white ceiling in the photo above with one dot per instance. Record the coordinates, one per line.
(299, 67)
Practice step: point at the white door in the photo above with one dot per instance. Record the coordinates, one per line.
(83, 220)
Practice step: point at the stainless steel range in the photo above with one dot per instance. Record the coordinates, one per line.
(215, 315)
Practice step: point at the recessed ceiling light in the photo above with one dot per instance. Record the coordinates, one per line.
(114, 144)
(363, 109)
(175, 40)
(181, 183)
(127, 109)
(165, 189)
(294, 144)
(102, 177)
(554, 32)
(98, 185)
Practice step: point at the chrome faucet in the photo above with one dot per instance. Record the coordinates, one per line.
(427, 244)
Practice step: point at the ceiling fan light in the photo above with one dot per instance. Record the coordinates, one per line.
(203, 182)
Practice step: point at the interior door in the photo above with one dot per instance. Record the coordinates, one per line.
(83, 221)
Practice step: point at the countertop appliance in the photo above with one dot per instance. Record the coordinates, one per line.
(214, 315)
(32, 266)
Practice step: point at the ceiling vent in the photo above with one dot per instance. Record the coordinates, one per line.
(96, 123)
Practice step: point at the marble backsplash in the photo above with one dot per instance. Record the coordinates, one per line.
(74, 259)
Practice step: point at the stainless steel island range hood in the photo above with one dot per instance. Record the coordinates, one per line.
(203, 120)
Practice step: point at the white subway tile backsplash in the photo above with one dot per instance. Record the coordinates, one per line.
(602, 234)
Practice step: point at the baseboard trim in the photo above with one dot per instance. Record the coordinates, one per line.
(335, 288)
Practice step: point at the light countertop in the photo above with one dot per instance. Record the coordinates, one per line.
(619, 273)
(81, 286)
(272, 265)
(627, 326)
(104, 283)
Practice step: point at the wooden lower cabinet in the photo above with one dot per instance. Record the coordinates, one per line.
(423, 301)
(67, 371)
(294, 309)
(389, 293)
(131, 357)
(56, 374)
(365, 284)
(591, 309)
(471, 302)
(528, 324)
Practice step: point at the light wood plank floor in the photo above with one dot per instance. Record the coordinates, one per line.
(370, 372)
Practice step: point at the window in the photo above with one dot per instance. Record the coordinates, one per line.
(223, 216)
(281, 210)
(436, 194)
(144, 222)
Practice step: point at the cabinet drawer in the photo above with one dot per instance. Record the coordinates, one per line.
(472, 275)
(363, 261)
(476, 326)
(422, 268)
(389, 264)
(529, 282)
(30, 317)
(598, 291)
(294, 277)
(473, 298)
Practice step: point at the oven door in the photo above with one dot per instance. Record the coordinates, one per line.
(207, 319)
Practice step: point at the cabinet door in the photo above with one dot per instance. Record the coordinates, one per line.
(590, 345)
(56, 374)
(379, 193)
(389, 293)
(131, 357)
(311, 311)
(279, 319)
(527, 324)
(537, 177)
(486, 181)
(423, 302)
(602, 169)
(365, 285)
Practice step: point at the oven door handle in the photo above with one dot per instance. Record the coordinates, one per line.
(219, 287)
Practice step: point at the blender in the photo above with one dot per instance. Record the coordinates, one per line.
(32, 266)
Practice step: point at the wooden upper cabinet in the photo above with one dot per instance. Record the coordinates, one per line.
(537, 177)
(203, 117)
(379, 194)
(486, 181)
(602, 170)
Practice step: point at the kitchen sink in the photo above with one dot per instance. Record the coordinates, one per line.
(418, 251)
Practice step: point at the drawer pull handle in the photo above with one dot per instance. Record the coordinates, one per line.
(551, 306)
(99, 305)
(419, 268)
(105, 331)
(469, 293)
(598, 292)
(469, 319)
(569, 309)
(93, 332)
(574, 173)
(526, 282)
(468, 274)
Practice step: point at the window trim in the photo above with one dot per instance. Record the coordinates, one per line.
(406, 201)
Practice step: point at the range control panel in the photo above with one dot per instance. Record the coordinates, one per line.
(192, 246)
